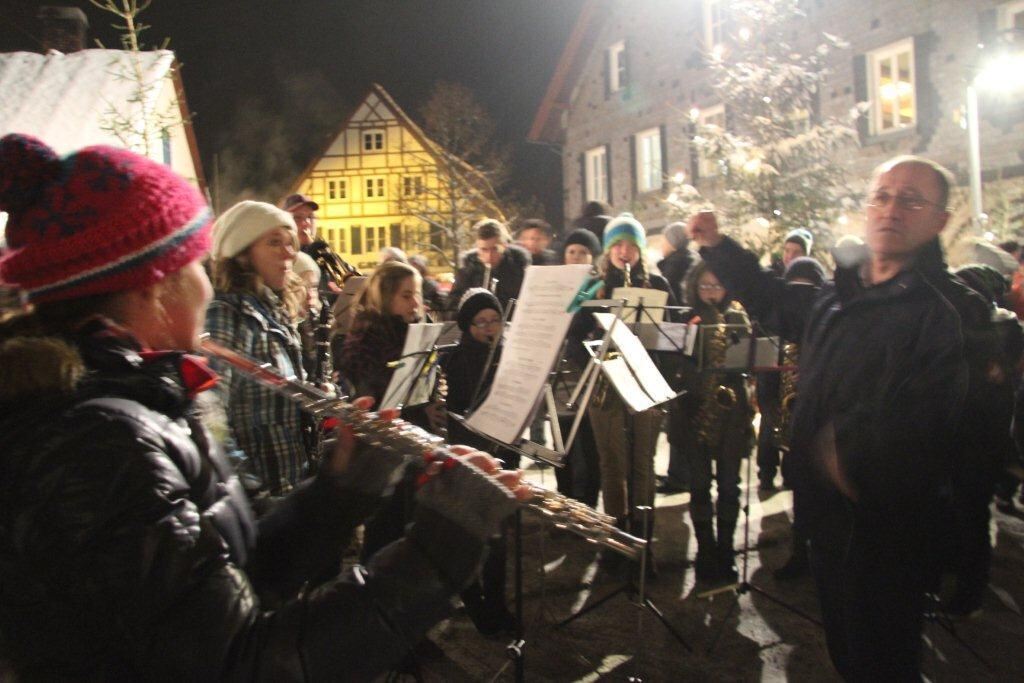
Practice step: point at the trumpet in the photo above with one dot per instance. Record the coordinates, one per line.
(412, 442)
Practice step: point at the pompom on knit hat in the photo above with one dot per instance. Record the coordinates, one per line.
(625, 227)
(246, 222)
(801, 236)
(585, 238)
(473, 301)
(98, 221)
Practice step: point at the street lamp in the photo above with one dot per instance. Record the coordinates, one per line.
(1004, 74)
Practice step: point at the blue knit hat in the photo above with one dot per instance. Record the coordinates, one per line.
(625, 227)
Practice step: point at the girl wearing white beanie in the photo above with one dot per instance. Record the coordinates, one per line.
(256, 309)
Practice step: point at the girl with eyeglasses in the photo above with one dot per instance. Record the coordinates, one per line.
(712, 423)
(468, 376)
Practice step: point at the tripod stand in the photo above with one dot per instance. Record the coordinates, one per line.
(635, 591)
(743, 586)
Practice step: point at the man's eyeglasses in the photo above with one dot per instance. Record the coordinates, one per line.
(881, 199)
(486, 323)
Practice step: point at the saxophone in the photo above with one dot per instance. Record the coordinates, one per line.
(716, 399)
(787, 397)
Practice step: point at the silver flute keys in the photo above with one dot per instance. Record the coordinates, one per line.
(413, 442)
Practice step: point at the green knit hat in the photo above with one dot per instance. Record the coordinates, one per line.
(625, 227)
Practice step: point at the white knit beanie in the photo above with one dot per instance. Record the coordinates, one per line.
(304, 263)
(244, 223)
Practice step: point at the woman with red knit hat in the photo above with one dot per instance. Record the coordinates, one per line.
(127, 547)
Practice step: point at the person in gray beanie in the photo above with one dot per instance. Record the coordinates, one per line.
(678, 259)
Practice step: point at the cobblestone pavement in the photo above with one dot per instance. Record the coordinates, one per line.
(758, 638)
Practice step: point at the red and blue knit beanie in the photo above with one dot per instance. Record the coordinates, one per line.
(98, 221)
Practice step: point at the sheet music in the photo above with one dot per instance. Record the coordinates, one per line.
(533, 343)
(618, 373)
(655, 298)
(419, 342)
(637, 357)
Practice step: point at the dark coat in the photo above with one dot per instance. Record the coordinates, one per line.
(464, 368)
(509, 273)
(884, 365)
(375, 341)
(128, 550)
(548, 257)
(674, 268)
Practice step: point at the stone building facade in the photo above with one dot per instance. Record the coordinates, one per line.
(632, 80)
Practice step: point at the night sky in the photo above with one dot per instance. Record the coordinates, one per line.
(270, 81)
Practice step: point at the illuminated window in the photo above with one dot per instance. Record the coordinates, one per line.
(648, 160)
(1011, 16)
(373, 140)
(596, 171)
(412, 185)
(714, 24)
(891, 83)
(617, 76)
(710, 117)
(374, 187)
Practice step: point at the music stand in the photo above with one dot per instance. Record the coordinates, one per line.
(632, 589)
(743, 585)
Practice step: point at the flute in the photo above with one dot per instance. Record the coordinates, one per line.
(412, 442)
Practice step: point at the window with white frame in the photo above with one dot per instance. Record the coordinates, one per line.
(714, 24)
(648, 160)
(711, 117)
(1011, 16)
(891, 87)
(595, 169)
(617, 77)
(373, 140)
(374, 188)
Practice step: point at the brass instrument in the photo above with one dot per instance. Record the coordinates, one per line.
(412, 443)
(716, 399)
(336, 268)
(787, 397)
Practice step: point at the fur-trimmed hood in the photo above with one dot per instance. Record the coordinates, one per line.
(100, 359)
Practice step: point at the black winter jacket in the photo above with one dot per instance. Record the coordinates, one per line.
(884, 366)
(128, 550)
(509, 273)
(674, 269)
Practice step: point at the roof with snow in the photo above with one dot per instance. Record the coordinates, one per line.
(68, 100)
(94, 97)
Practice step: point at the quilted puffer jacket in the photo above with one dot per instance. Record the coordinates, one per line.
(128, 550)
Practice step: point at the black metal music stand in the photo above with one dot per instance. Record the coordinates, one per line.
(743, 586)
(633, 589)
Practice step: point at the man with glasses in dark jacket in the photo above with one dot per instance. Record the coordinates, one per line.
(883, 379)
